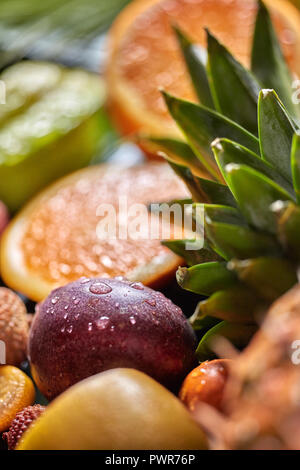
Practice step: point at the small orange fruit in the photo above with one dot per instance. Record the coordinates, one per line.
(145, 56)
(16, 392)
(55, 238)
(205, 384)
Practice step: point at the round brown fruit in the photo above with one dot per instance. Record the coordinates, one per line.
(14, 326)
(90, 326)
(206, 384)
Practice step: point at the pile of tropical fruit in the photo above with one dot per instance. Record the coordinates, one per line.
(209, 89)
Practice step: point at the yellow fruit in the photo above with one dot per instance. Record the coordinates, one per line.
(16, 392)
(117, 409)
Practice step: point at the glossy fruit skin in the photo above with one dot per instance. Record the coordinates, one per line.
(16, 392)
(90, 326)
(4, 217)
(206, 384)
(116, 410)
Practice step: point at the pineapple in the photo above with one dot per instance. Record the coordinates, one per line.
(241, 160)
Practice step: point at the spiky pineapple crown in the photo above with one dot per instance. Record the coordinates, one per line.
(243, 136)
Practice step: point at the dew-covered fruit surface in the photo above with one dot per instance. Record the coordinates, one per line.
(92, 325)
(206, 384)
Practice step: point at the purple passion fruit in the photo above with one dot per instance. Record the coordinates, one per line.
(90, 326)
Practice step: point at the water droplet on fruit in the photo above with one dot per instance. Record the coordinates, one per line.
(55, 300)
(66, 307)
(90, 326)
(106, 261)
(117, 305)
(76, 316)
(137, 285)
(76, 301)
(132, 320)
(84, 280)
(62, 329)
(66, 315)
(100, 288)
(70, 329)
(102, 322)
(151, 302)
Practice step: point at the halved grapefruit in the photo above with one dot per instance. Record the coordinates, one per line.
(55, 238)
(144, 54)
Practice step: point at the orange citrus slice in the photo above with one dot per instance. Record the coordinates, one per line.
(145, 56)
(16, 392)
(55, 239)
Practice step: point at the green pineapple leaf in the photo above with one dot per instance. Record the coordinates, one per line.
(190, 180)
(295, 164)
(237, 334)
(236, 241)
(216, 193)
(200, 323)
(227, 152)
(196, 67)
(192, 257)
(203, 190)
(177, 151)
(223, 214)
(206, 278)
(276, 132)
(269, 277)
(202, 125)
(267, 61)
(255, 193)
(235, 304)
(242, 107)
(288, 218)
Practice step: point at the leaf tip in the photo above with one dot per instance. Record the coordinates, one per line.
(211, 39)
(182, 38)
(217, 144)
(232, 167)
(166, 96)
(266, 93)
